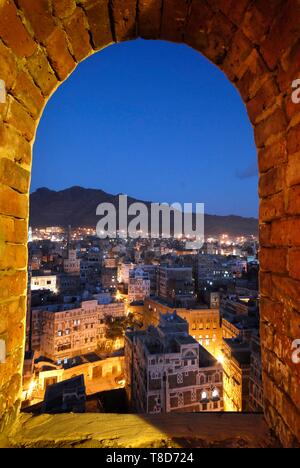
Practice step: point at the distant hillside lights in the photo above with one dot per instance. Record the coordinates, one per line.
(160, 218)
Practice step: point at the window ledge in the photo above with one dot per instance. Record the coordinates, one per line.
(132, 430)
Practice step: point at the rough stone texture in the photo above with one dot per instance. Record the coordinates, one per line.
(126, 431)
(257, 45)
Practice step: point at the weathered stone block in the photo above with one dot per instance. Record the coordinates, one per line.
(293, 203)
(63, 8)
(293, 170)
(42, 72)
(12, 256)
(272, 207)
(13, 230)
(273, 260)
(285, 232)
(14, 176)
(8, 66)
(124, 14)
(174, 18)
(13, 203)
(272, 182)
(99, 22)
(239, 51)
(12, 285)
(20, 119)
(293, 140)
(149, 18)
(283, 33)
(294, 266)
(13, 145)
(259, 17)
(28, 94)
(265, 234)
(273, 155)
(75, 27)
(255, 73)
(263, 100)
(40, 17)
(13, 32)
(270, 127)
(59, 55)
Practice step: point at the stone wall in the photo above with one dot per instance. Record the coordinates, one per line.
(257, 45)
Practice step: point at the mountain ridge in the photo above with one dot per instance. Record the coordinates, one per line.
(76, 206)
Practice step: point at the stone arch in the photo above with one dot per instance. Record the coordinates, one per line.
(257, 45)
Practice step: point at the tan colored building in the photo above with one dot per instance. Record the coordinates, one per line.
(44, 281)
(101, 373)
(113, 309)
(204, 324)
(123, 272)
(138, 286)
(61, 332)
(72, 263)
(166, 370)
(236, 375)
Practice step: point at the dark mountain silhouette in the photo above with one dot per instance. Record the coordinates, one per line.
(76, 206)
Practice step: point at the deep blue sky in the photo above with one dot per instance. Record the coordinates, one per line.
(154, 120)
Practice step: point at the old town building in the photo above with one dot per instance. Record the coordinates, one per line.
(176, 286)
(204, 324)
(236, 375)
(44, 280)
(67, 330)
(256, 45)
(138, 285)
(166, 370)
(72, 263)
(63, 331)
(256, 383)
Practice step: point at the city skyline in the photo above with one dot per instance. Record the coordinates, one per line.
(172, 120)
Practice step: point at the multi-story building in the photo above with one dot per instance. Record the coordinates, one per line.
(256, 403)
(152, 271)
(211, 269)
(72, 263)
(109, 278)
(235, 305)
(112, 309)
(63, 331)
(123, 272)
(68, 283)
(176, 285)
(90, 267)
(242, 327)
(236, 374)
(212, 299)
(138, 286)
(67, 330)
(44, 280)
(204, 324)
(166, 370)
(110, 262)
